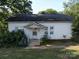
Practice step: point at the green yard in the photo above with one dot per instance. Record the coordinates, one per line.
(21, 53)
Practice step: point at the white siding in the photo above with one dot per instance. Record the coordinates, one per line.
(59, 29)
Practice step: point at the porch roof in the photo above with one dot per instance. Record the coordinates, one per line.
(35, 25)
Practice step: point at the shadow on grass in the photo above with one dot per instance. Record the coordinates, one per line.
(62, 42)
(49, 53)
(69, 54)
(60, 53)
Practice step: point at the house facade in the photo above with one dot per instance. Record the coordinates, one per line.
(55, 26)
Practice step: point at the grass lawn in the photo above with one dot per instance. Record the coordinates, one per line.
(22, 53)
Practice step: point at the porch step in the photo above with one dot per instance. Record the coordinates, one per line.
(34, 43)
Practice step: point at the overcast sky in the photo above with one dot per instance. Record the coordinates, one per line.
(39, 5)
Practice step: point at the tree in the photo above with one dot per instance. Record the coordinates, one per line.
(75, 26)
(74, 12)
(17, 6)
(68, 3)
(48, 11)
(8, 8)
(3, 16)
(42, 12)
(11, 7)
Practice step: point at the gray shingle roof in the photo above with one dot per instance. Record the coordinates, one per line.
(43, 17)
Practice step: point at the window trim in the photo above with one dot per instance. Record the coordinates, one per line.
(34, 33)
(51, 32)
(51, 27)
(46, 32)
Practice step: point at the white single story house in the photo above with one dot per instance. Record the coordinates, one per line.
(55, 26)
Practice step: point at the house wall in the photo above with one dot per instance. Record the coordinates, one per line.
(59, 29)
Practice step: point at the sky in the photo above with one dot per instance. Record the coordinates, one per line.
(40, 5)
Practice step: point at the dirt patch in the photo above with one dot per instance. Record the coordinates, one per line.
(73, 48)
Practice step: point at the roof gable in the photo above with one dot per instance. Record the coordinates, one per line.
(35, 25)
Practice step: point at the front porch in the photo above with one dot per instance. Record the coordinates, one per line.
(36, 31)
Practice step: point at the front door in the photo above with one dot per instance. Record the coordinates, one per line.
(34, 41)
(34, 34)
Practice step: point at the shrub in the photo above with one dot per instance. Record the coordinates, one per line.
(13, 39)
(75, 38)
(44, 40)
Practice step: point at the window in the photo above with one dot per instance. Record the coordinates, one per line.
(51, 32)
(46, 32)
(34, 33)
(46, 28)
(16, 28)
(51, 27)
(64, 36)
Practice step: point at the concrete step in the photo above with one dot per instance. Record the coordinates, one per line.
(34, 43)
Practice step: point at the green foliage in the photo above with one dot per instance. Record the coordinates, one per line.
(16, 6)
(44, 40)
(74, 12)
(48, 53)
(48, 11)
(12, 39)
(42, 12)
(51, 11)
(3, 22)
(75, 38)
(11, 7)
(69, 3)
